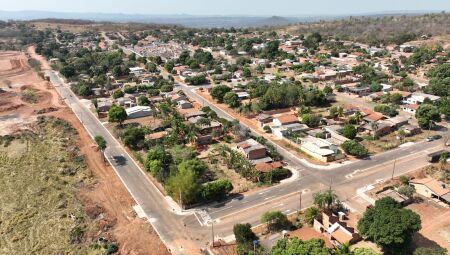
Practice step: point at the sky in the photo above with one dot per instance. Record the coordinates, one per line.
(230, 7)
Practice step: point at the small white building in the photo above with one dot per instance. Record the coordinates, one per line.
(139, 112)
(419, 98)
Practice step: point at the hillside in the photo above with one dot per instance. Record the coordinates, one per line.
(378, 29)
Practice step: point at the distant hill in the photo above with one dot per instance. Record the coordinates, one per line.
(384, 28)
(184, 20)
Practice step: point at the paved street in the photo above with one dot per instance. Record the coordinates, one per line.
(195, 229)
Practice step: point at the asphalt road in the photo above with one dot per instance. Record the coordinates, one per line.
(171, 227)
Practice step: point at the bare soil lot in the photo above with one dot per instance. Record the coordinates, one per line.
(105, 199)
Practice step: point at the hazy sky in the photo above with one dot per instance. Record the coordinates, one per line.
(230, 7)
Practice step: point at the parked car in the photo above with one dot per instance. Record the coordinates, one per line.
(433, 138)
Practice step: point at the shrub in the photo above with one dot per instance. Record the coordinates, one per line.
(354, 148)
(216, 190)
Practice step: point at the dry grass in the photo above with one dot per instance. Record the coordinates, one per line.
(40, 213)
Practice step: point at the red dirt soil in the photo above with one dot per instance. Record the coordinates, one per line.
(106, 200)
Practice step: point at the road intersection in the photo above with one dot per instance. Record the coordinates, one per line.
(193, 229)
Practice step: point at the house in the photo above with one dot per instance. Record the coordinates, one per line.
(264, 119)
(177, 98)
(285, 120)
(193, 114)
(398, 121)
(419, 98)
(282, 131)
(156, 137)
(137, 71)
(334, 135)
(431, 188)
(360, 91)
(336, 229)
(410, 108)
(411, 130)
(373, 117)
(213, 126)
(268, 167)
(378, 128)
(183, 104)
(139, 112)
(204, 139)
(103, 104)
(251, 149)
(318, 148)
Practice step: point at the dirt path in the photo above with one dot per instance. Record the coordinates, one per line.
(107, 197)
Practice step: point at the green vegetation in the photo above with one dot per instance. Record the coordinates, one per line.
(117, 114)
(354, 148)
(427, 115)
(276, 221)
(389, 225)
(295, 246)
(349, 131)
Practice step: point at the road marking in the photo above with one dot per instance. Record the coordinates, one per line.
(267, 198)
(263, 192)
(277, 205)
(223, 209)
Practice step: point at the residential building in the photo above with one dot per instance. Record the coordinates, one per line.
(419, 98)
(251, 149)
(410, 108)
(318, 148)
(139, 112)
(183, 104)
(431, 188)
(336, 229)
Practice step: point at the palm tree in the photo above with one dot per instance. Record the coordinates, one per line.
(443, 160)
(191, 133)
(374, 125)
(204, 122)
(340, 112)
(358, 116)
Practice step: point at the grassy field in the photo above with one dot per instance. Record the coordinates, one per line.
(39, 177)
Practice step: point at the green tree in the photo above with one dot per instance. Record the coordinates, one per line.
(218, 92)
(183, 185)
(389, 225)
(231, 99)
(143, 100)
(427, 114)
(101, 143)
(349, 131)
(275, 220)
(295, 246)
(117, 114)
(311, 120)
(68, 71)
(430, 251)
(118, 93)
(325, 199)
(311, 214)
(365, 251)
(354, 148)
(216, 190)
(195, 165)
(169, 66)
(244, 234)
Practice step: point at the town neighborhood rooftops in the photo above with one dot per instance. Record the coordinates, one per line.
(287, 119)
(194, 114)
(411, 106)
(249, 145)
(374, 116)
(264, 116)
(439, 188)
(268, 167)
(139, 108)
(422, 96)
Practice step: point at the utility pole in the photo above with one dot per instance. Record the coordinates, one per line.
(300, 203)
(331, 182)
(181, 201)
(393, 169)
(212, 232)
